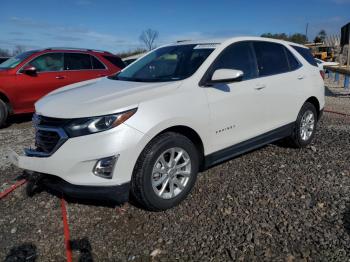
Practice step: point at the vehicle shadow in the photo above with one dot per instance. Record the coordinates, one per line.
(28, 252)
(19, 119)
(222, 87)
(330, 93)
(84, 247)
(346, 219)
(25, 252)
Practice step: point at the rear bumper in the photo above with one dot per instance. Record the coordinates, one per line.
(116, 194)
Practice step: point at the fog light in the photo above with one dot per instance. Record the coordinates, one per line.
(105, 166)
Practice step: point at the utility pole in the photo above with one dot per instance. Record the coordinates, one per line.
(348, 63)
(306, 31)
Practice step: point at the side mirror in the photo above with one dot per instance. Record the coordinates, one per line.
(226, 76)
(29, 70)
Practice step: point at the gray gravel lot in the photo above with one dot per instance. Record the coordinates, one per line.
(275, 203)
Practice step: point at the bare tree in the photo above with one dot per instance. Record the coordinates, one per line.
(148, 38)
(18, 50)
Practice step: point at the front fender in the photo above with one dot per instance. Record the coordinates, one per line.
(171, 123)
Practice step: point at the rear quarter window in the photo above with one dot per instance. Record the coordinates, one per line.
(96, 64)
(306, 54)
(115, 61)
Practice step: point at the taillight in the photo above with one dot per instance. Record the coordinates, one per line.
(322, 74)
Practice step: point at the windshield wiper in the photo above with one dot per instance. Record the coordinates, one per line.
(132, 79)
(148, 80)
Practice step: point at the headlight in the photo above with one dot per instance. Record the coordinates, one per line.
(91, 125)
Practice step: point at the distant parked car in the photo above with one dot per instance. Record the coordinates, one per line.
(3, 59)
(27, 77)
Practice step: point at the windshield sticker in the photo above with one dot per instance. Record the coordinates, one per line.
(206, 46)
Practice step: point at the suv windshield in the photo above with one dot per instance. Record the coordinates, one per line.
(16, 60)
(168, 63)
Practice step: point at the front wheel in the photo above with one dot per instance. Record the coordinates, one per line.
(165, 172)
(305, 126)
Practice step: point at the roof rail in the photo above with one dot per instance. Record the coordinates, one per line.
(185, 40)
(77, 49)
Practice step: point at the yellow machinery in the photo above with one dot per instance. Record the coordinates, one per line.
(321, 51)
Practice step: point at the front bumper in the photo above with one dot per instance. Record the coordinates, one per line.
(75, 159)
(116, 194)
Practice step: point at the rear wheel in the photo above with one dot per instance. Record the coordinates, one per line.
(165, 172)
(3, 113)
(305, 126)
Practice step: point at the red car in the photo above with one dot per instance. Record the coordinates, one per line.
(29, 76)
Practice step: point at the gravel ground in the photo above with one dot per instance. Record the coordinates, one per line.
(337, 96)
(274, 203)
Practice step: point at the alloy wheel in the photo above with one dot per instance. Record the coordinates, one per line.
(171, 173)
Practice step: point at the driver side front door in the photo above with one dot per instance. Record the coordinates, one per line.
(236, 110)
(48, 77)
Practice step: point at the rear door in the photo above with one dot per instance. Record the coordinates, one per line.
(281, 81)
(80, 67)
(49, 76)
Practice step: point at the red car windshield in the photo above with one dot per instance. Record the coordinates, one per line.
(16, 60)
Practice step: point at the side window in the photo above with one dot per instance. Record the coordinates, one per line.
(77, 61)
(305, 52)
(271, 58)
(238, 56)
(96, 64)
(294, 64)
(50, 62)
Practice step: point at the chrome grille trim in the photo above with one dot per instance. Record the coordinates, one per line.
(62, 138)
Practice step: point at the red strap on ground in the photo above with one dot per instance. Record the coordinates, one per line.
(66, 231)
(11, 188)
(335, 112)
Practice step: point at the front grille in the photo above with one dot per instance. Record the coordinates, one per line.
(48, 121)
(49, 135)
(46, 141)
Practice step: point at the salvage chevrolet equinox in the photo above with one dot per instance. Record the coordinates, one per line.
(147, 131)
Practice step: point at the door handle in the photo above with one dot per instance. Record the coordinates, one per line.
(300, 77)
(260, 87)
(60, 77)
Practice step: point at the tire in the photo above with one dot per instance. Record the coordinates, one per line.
(145, 177)
(3, 113)
(300, 138)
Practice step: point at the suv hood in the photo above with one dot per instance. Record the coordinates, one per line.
(101, 96)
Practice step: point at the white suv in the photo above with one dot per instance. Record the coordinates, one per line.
(177, 110)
